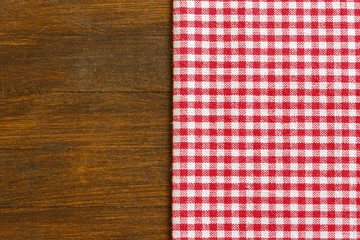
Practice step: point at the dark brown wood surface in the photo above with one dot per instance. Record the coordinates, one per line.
(85, 119)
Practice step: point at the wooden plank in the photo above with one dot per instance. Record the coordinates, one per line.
(96, 194)
(85, 120)
(103, 45)
(84, 165)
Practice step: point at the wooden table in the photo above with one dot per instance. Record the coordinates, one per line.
(85, 119)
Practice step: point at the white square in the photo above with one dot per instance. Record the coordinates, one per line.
(190, 4)
(219, 18)
(248, 17)
(278, 5)
(205, 233)
(234, 4)
(321, 5)
(292, 5)
(219, 5)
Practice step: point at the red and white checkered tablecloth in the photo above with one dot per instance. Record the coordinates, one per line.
(266, 128)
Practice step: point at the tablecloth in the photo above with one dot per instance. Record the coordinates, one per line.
(266, 115)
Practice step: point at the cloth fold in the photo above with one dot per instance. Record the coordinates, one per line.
(266, 115)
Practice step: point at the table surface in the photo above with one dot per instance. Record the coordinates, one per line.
(85, 119)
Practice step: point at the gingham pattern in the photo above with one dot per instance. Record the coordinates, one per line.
(266, 119)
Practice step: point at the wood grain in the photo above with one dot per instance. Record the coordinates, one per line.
(85, 119)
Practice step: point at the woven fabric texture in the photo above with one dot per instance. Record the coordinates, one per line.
(266, 119)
